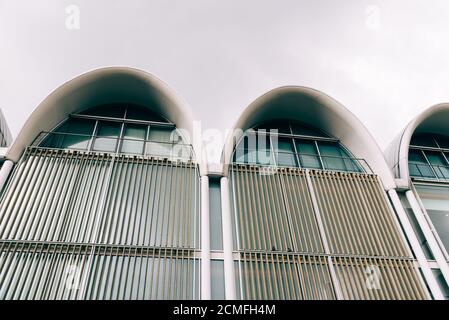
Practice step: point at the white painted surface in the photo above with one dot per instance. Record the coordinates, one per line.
(205, 240)
(4, 172)
(229, 272)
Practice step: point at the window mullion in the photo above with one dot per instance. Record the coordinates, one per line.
(296, 153)
(429, 164)
(319, 154)
(93, 137)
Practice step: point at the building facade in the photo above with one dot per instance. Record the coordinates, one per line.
(106, 194)
(418, 158)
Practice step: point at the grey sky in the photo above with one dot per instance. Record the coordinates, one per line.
(221, 55)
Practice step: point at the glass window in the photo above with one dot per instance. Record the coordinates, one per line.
(443, 141)
(255, 149)
(107, 136)
(73, 134)
(216, 240)
(307, 131)
(133, 138)
(438, 163)
(285, 155)
(282, 126)
(139, 113)
(423, 140)
(217, 279)
(418, 165)
(160, 143)
(289, 151)
(264, 154)
(436, 201)
(308, 155)
(239, 153)
(441, 282)
(332, 156)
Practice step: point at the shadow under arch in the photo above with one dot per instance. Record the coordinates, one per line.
(318, 110)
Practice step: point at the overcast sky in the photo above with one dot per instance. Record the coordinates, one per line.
(386, 61)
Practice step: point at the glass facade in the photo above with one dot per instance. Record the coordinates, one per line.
(294, 145)
(123, 129)
(428, 156)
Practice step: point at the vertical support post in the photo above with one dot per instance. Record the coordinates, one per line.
(4, 173)
(414, 243)
(227, 240)
(436, 250)
(205, 240)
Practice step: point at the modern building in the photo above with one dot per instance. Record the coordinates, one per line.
(107, 193)
(419, 160)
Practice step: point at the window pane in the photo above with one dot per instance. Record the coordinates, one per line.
(281, 125)
(217, 279)
(332, 156)
(436, 202)
(418, 166)
(306, 131)
(73, 134)
(438, 163)
(308, 154)
(441, 282)
(239, 153)
(423, 140)
(443, 141)
(285, 154)
(216, 237)
(107, 135)
(140, 113)
(160, 144)
(133, 138)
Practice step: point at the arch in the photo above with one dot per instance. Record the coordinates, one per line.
(432, 120)
(103, 86)
(318, 110)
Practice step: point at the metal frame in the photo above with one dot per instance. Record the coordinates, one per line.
(77, 207)
(357, 224)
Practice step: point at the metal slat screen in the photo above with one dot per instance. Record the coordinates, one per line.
(303, 234)
(83, 225)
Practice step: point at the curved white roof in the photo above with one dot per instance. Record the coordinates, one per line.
(100, 86)
(316, 109)
(433, 120)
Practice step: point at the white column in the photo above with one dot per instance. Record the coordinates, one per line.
(205, 240)
(4, 172)
(425, 228)
(414, 243)
(227, 240)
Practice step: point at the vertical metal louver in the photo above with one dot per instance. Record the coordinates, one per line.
(84, 225)
(315, 234)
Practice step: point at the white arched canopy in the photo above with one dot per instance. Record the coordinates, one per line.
(433, 120)
(318, 110)
(102, 86)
